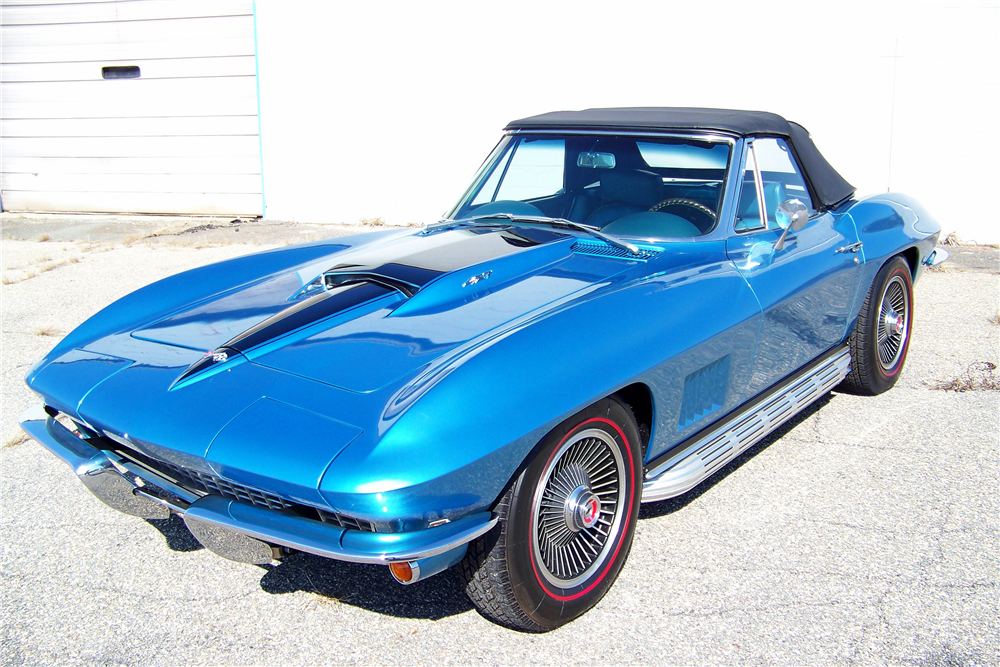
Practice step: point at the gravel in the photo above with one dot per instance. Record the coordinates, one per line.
(864, 531)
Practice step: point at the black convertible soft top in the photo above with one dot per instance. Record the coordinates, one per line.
(828, 186)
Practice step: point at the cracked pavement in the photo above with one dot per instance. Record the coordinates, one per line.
(864, 531)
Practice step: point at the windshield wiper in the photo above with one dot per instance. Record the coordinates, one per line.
(463, 222)
(588, 229)
(541, 220)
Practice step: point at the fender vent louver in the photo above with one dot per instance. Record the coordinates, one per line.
(704, 392)
(606, 250)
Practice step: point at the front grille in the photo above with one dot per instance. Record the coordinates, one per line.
(608, 250)
(346, 521)
(205, 484)
(199, 481)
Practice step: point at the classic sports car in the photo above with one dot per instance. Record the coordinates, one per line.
(623, 301)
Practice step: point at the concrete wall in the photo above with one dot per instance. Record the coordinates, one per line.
(387, 109)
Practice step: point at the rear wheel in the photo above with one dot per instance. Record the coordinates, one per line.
(566, 524)
(882, 335)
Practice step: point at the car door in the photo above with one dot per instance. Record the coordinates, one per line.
(806, 288)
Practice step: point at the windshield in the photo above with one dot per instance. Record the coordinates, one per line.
(636, 187)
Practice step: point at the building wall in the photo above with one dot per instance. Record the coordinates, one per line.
(387, 109)
(181, 138)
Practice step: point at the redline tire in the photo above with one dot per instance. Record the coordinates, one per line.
(881, 338)
(566, 524)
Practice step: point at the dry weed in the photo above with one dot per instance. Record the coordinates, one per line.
(995, 319)
(372, 222)
(47, 330)
(42, 238)
(979, 376)
(16, 439)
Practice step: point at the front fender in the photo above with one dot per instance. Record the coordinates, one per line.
(890, 224)
(451, 439)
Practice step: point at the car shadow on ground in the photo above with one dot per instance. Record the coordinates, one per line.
(176, 533)
(371, 587)
(671, 505)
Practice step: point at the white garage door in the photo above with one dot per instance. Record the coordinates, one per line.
(181, 137)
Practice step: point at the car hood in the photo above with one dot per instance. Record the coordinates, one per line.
(404, 301)
(267, 382)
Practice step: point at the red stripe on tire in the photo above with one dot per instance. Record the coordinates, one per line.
(625, 523)
(909, 324)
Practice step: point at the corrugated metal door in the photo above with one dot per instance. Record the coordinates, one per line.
(180, 138)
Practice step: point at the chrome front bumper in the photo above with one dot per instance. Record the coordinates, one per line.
(219, 522)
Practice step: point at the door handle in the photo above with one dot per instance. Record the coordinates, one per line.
(853, 247)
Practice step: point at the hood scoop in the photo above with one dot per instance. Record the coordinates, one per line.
(338, 279)
(309, 311)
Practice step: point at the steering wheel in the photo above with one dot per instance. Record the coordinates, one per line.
(685, 202)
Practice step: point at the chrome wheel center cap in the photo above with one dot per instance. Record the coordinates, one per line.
(582, 509)
(893, 322)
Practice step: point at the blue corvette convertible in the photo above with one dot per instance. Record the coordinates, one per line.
(622, 301)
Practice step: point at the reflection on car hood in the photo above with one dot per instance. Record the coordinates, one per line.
(450, 287)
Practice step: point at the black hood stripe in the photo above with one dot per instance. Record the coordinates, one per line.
(299, 315)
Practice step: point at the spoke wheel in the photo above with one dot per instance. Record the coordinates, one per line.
(576, 508)
(892, 323)
(881, 336)
(566, 524)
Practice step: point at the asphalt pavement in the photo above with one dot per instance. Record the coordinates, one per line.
(864, 531)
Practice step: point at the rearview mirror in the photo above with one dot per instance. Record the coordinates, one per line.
(792, 215)
(596, 160)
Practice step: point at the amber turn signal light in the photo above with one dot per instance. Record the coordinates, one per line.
(402, 571)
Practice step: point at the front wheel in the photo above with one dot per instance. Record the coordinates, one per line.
(882, 335)
(566, 524)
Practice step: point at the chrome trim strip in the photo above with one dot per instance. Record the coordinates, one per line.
(166, 502)
(331, 541)
(708, 135)
(711, 451)
(74, 452)
(156, 479)
(759, 182)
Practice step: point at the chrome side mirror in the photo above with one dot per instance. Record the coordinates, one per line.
(793, 215)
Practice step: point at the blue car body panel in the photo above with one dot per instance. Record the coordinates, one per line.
(422, 402)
